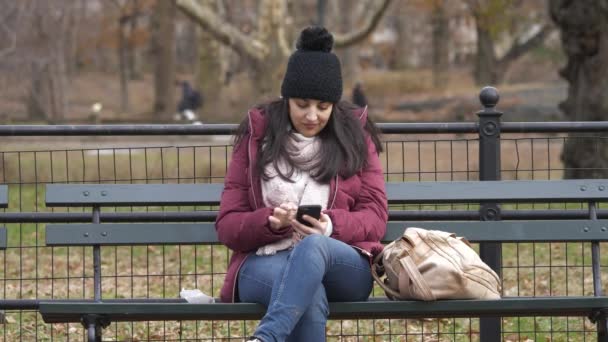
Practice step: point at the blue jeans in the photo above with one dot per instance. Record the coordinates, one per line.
(296, 286)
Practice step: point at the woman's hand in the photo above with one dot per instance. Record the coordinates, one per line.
(318, 226)
(282, 215)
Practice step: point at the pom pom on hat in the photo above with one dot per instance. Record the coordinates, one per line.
(315, 38)
(313, 71)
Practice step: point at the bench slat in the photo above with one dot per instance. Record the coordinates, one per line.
(80, 195)
(130, 234)
(511, 231)
(497, 191)
(204, 233)
(3, 243)
(3, 196)
(515, 306)
(397, 192)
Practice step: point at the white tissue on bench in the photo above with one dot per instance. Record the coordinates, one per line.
(195, 296)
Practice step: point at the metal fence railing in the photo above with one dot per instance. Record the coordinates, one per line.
(31, 272)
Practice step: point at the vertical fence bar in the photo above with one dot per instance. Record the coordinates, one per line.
(94, 330)
(96, 260)
(489, 169)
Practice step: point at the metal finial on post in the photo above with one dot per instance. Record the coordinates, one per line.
(488, 96)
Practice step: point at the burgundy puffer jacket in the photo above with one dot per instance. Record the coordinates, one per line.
(357, 205)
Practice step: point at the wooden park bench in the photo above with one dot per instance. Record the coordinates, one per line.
(485, 227)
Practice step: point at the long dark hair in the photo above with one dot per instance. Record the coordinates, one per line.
(343, 150)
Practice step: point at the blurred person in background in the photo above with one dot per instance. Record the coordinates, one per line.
(191, 100)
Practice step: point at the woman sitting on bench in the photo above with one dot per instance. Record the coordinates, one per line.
(306, 148)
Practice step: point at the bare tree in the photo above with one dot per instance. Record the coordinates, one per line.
(211, 70)
(403, 23)
(122, 54)
(7, 29)
(39, 36)
(268, 46)
(347, 16)
(584, 34)
(440, 38)
(128, 13)
(495, 18)
(136, 11)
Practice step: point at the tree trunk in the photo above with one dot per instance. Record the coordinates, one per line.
(321, 12)
(60, 87)
(210, 78)
(60, 66)
(267, 76)
(164, 69)
(485, 61)
(123, 69)
(584, 34)
(349, 58)
(132, 54)
(74, 27)
(441, 38)
(403, 45)
(38, 100)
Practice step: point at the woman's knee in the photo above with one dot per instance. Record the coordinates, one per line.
(315, 242)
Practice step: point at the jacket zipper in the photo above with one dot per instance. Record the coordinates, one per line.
(333, 201)
(363, 112)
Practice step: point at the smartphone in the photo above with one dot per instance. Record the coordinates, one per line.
(310, 210)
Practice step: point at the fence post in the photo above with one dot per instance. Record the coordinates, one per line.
(489, 169)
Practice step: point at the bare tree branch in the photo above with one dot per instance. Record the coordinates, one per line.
(12, 36)
(13, 40)
(222, 31)
(370, 22)
(271, 19)
(520, 48)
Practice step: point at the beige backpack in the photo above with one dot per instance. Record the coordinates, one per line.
(432, 264)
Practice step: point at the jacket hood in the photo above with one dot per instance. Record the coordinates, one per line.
(257, 123)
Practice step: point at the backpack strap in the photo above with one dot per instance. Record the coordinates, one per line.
(408, 278)
(412, 277)
(376, 273)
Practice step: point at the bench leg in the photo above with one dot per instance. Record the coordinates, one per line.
(94, 325)
(599, 318)
(490, 329)
(602, 330)
(92, 333)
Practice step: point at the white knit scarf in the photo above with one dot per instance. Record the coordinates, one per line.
(302, 190)
(304, 152)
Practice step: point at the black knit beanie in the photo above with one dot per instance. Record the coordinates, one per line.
(313, 71)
